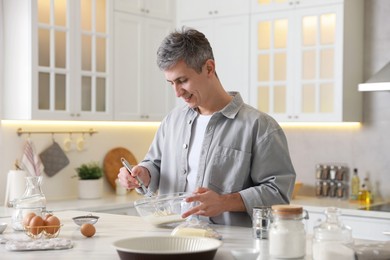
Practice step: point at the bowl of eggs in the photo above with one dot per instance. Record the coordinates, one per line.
(36, 226)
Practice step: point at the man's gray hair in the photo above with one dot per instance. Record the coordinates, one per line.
(188, 45)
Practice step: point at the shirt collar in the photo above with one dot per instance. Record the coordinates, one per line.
(231, 109)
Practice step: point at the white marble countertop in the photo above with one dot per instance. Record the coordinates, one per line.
(107, 202)
(347, 207)
(112, 227)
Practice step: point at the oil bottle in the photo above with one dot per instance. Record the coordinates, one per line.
(364, 196)
(355, 185)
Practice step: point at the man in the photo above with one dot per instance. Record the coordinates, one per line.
(231, 156)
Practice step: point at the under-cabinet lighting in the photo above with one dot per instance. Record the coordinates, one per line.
(306, 125)
(77, 123)
(321, 125)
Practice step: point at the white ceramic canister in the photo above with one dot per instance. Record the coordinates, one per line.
(16, 185)
(287, 235)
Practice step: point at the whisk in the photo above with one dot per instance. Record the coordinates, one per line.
(142, 190)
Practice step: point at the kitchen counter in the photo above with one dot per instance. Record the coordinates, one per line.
(112, 227)
(347, 207)
(106, 203)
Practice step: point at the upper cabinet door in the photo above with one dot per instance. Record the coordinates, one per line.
(258, 6)
(94, 77)
(51, 68)
(141, 90)
(163, 9)
(301, 69)
(63, 72)
(205, 9)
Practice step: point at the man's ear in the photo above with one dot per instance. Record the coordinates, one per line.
(210, 66)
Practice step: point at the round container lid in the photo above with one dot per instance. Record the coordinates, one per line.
(287, 209)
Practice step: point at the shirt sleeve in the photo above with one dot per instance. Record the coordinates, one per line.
(272, 173)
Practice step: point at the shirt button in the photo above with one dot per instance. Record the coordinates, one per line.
(185, 146)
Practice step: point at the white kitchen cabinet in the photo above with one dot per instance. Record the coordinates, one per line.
(228, 34)
(306, 60)
(367, 228)
(57, 60)
(278, 5)
(141, 90)
(371, 228)
(206, 9)
(163, 9)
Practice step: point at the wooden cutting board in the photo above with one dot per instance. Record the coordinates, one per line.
(112, 163)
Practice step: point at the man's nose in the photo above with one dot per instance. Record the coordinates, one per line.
(178, 90)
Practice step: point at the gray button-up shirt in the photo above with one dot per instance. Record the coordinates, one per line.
(244, 150)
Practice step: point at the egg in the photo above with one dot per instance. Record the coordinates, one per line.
(87, 229)
(36, 225)
(47, 215)
(27, 218)
(52, 224)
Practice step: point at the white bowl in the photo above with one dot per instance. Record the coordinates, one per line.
(3, 226)
(167, 247)
(80, 220)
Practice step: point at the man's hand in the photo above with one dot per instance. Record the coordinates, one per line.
(128, 181)
(211, 204)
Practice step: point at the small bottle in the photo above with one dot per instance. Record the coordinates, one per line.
(340, 190)
(367, 182)
(364, 195)
(355, 185)
(332, 172)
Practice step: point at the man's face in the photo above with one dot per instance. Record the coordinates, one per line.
(189, 85)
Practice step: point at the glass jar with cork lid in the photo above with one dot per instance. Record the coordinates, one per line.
(287, 235)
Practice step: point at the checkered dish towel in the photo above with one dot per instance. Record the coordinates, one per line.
(30, 160)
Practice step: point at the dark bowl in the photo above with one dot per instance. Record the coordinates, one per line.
(167, 247)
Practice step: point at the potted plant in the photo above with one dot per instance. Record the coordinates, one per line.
(90, 180)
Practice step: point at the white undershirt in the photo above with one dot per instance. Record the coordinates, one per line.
(197, 136)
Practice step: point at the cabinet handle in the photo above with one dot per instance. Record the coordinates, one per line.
(210, 12)
(296, 117)
(142, 10)
(216, 12)
(147, 11)
(289, 117)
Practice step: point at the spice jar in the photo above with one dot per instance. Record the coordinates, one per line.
(287, 235)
